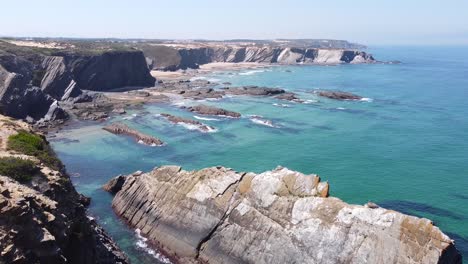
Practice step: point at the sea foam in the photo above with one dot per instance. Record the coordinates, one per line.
(251, 72)
(143, 245)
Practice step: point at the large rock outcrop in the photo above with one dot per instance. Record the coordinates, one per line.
(110, 70)
(217, 215)
(192, 57)
(32, 80)
(43, 219)
(19, 99)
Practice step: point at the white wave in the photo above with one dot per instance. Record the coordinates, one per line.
(365, 99)
(263, 122)
(141, 243)
(179, 103)
(341, 108)
(213, 80)
(197, 78)
(206, 118)
(251, 72)
(202, 128)
(310, 102)
(130, 117)
(282, 105)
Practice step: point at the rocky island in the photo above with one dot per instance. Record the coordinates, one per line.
(217, 215)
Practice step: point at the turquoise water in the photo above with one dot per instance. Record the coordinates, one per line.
(406, 148)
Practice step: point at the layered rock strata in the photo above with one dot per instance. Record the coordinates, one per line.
(184, 57)
(217, 215)
(31, 80)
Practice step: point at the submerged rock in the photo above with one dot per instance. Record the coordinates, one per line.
(217, 215)
(338, 95)
(211, 110)
(122, 129)
(289, 97)
(253, 90)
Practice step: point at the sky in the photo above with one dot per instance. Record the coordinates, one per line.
(371, 22)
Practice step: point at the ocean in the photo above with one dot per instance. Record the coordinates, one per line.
(404, 147)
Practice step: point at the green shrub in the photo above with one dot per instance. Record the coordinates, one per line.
(21, 170)
(34, 145)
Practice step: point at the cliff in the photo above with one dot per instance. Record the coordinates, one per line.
(42, 217)
(189, 56)
(32, 80)
(217, 215)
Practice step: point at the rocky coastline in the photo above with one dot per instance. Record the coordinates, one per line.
(214, 215)
(42, 217)
(217, 215)
(194, 55)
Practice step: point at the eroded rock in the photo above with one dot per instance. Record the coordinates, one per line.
(217, 215)
(190, 123)
(338, 95)
(211, 110)
(122, 129)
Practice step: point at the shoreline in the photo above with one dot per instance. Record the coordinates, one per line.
(209, 68)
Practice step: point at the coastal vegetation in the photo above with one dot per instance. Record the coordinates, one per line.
(34, 145)
(18, 169)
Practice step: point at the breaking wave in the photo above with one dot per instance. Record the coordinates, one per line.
(141, 244)
(206, 118)
(251, 72)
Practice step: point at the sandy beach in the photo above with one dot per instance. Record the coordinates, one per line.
(208, 68)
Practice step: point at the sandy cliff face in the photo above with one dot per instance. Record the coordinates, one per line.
(217, 215)
(192, 57)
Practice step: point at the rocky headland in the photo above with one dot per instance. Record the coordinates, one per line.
(42, 217)
(172, 57)
(36, 82)
(217, 215)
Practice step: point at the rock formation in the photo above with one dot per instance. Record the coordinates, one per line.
(253, 90)
(44, 219)
(338, 95)
(217, 215)
(122, 129)
(192, 56)
(32, 80)
(211, 110)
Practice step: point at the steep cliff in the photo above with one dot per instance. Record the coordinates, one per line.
(217, 215)
(32, 80)
(42, 217)
(192, 57)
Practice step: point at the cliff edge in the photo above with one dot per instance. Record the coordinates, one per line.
(42, 217)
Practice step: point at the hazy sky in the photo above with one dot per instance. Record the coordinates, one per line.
(364, 21)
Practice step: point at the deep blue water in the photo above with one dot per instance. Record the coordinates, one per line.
(405, 149)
